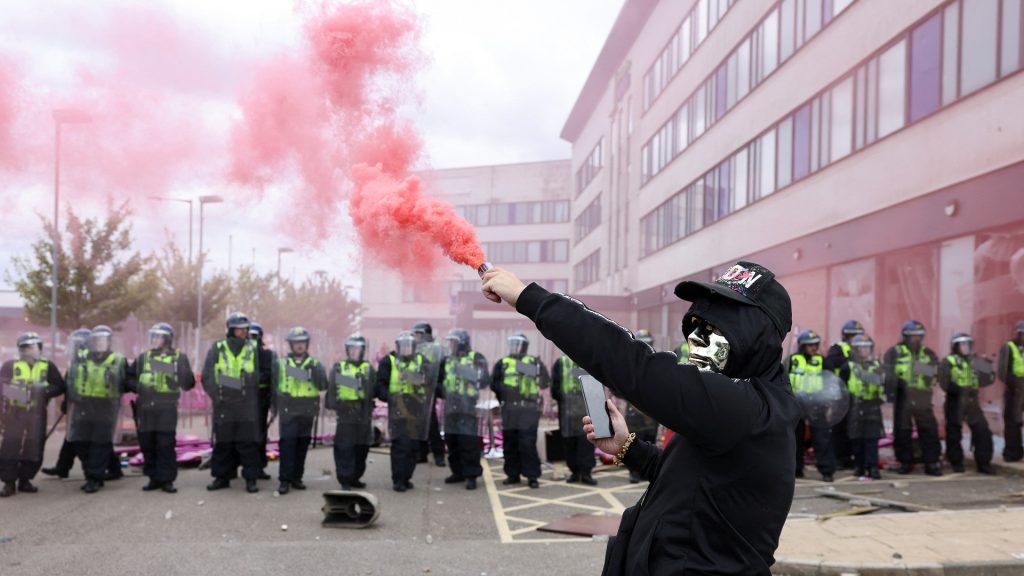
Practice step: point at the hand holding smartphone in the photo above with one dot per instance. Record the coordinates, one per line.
(594, 396)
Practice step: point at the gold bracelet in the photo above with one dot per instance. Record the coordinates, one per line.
(625, 447)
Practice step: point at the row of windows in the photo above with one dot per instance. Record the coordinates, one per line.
(559, 285)
(587, 271)
(591, 166)
(698, 23)
(589, 219)
(958, 49)
(540, 212)
(527, 251)
(785, 29)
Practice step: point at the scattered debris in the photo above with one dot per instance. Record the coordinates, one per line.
(6, 539)
(430, 539)
(284, 527)
(169, 515)
(201, 502)
(898, 484)
(883, 502)
(897, 555)
(855, 511)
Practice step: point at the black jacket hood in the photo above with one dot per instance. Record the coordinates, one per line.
(755, 347)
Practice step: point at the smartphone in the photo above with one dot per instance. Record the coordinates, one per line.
(593, 394)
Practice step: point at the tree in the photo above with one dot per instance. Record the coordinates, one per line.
(100, 280)
(174, 292)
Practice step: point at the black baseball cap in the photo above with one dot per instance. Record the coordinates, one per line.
(747, 283)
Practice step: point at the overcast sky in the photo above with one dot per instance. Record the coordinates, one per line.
(500, 80)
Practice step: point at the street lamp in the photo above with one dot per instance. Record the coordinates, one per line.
(284, 250)
(203, 201)
(60, 116)
(183, 201)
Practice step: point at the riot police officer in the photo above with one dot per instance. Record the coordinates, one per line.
(26, 385)
(517, 380)
(267, 360)
(1010, 367)
(230, 378)
(567, 391)
(836, 359)
(805, 368)
(350, 395)
(298, 382)
(463, 374)
(158, 376)
(94, 402)
(960, 376)
(78, 343)
(912, 367)
(406, 383)
(865, 380)
(434, 445)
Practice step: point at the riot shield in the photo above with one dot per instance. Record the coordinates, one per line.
(22, 419)
(986, 370)
(236, 409)
(352, 400)
(573, 407)
(409, 410)
(94, 400)
(463, 383)
(824, 399)
(520, 411)
(157, 404)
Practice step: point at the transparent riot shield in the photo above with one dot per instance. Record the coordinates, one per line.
(865, 419)
(22, 419)
(236, 409)
(573, 407)
(986, 370)
(520, 396)
(351, 397)
(94, 399)
(464, 380)
(410, 406)
(156, 408)
(824, 399)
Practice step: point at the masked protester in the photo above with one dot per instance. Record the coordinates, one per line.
(1010, 367)
(300, 378)
(350, 395)
(805, 377)
(912, 367)
(568, 393)
(158, 376)
(961, 375)
(517, 380)
(94, 403)
(230, 378)
(267, 360)
(405, 381)
(26, 385)
(722, 488)
(865, 380)
(434, 445)
(463, 374)
(836, 360)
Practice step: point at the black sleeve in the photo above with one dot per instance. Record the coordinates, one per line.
(497, 377)
(319, 376)
(383, 378)
(122, 368)
(642, 459)
(208, 380)
(835, 360)
(55, 385)
(131, 375)
(543, 378)
(934, 359)
(186, 377)
(844, 373)
(556, 381)
(889, 366)
(713, 410)
(985, 379)
(442, 372)
(7, 371)
(481, 364)
(944, 376)
(1003, 363)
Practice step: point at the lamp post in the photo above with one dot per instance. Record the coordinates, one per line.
(60, 116)
(284, 250)
(203, 201)
(188, 201)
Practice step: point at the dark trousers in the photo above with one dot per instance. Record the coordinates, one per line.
(579, 454)
(157, 426)
(236, 443)
(403, 458)
(821, 441)
(349, 460)
(434, 444)
(95, 458)
(296, 435)
(841, 443)
(521, 456)
(66, 460)
(1013, 414)
(915, 411)
(264, 424)
(22, 443)
(981, 436)
(865, 452)
(464, 455)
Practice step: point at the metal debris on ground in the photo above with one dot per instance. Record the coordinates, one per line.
(905, 506)
(855, 511)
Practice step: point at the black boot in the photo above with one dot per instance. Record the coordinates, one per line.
(573, 478)
(986, 468)
(298, 485)
(284, 487)
(27, 487)
(858, 472)
(54, 472)
(511, 481)
(958, 467)
(169, 488)
(905, 469)
(399, 487)
(439, 461)
(933, 469)
(454, 479)
(91, 487)
(152, 485)
(532, 483)
(251, 487)
(875, 474)
(9, 490)
(587, 479)
(218, 484)
(470, 483)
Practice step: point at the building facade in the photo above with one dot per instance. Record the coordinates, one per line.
(521, 215)
(869, 152)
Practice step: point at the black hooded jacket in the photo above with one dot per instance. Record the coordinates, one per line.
(721, 490)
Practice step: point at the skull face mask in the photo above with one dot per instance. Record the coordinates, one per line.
(708, 350)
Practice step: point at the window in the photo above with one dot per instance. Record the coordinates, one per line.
(589, 219)
(767, 163)
(842, 120)
(540, 212)
(978, 67)
(590, 168)
(784, 173)
(743, 70)
(1010, 55)
(891, 89)
(812, 22)
(950, 54)
(787, 29)
(770, 43)
(802, 143)
(528, 251)
(586, 272)
(925, 68)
